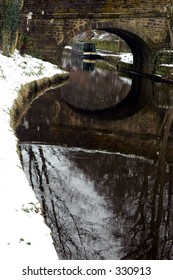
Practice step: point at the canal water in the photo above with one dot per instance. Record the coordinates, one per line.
(98, 154)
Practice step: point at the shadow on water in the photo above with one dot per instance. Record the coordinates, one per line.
(94, 90)
(103, 204)
(101, 91)
(128, 106)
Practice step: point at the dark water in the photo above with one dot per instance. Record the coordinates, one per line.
(98, 154)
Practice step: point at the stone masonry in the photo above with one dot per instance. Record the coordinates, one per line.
(142, 24)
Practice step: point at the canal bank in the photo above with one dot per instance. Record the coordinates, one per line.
(23, 235)
(162, 66)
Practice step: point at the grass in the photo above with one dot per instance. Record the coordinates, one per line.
(113, 46)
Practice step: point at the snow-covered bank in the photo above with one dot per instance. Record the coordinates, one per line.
(123, 57)
(23, 234)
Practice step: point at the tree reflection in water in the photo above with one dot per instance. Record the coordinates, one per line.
(104, 205)
(101, 205)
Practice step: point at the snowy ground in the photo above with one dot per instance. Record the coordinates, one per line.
(23, 234)
(124, 57)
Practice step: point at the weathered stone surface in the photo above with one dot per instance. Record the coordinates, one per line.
(142, 24)
(94, 6)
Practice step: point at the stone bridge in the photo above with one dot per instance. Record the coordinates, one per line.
(141, 24)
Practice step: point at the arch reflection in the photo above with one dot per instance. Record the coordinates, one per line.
(93, 85)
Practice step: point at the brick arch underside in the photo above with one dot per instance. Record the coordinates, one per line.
(142, 47)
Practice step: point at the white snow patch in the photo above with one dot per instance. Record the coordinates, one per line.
(124, 57)
(68, 47)
(167, 65)
(23, 234)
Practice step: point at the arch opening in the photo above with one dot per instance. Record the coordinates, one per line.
(109, 46)
(142, 47)
(142, 53)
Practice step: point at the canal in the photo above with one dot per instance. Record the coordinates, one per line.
(98, 153)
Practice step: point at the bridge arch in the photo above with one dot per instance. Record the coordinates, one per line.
(142, 47)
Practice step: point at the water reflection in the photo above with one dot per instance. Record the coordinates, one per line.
(97, 89)
(98, 204)
(93, 212)
(163, 95)
(51, 120)
(154, 223)
(93, 88)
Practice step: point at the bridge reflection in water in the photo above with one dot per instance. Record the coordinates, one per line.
(114, 199)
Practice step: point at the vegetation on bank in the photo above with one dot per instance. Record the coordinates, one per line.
(9, 15)
(104, 41)
(111, 46)
(163, 63)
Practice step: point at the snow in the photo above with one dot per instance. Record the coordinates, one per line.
(167, 65)
(68, 47)
(124, 57)
(23, 233)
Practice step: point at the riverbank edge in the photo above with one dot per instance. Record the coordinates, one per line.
(162, 64)
(25, 96)
(29, 92)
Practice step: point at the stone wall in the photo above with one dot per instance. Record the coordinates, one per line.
(55, 22)
(49, 34)
(94, 6)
